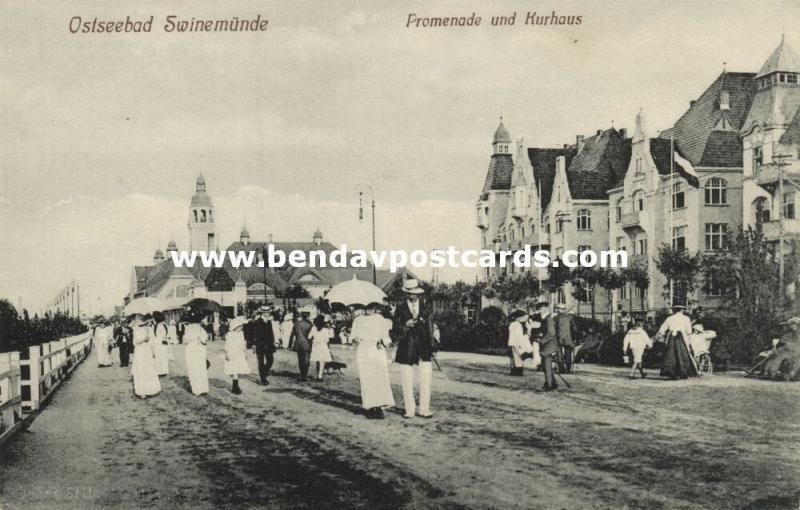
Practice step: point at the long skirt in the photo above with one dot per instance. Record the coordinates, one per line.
(196, 368)
(103, 356)
(373, 374)
(678, 363)
(161, 352)
(145, 379)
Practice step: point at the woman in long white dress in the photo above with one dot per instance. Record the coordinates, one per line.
(235, 355)
(160, 339)
(145, 379)
(196, 338)
(320, 335)
(102, 338)
(371, 331)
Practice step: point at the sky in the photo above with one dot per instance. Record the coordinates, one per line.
(104, 134)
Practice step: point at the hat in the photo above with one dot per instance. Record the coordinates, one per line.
(540, 304)
(411, 286)
(264, 308)
(678, 307)
(698, 327)
(794, 321)
(517, 314)
(561, 308)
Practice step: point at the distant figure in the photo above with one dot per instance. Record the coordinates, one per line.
(277, 333)
(565, 329)
(300, 343)
(286, 329)
(196, 361)
(519, 343)
(548, 344)
(235, 356)
(320, 335)
(102, 342)
(637, 340)
(145, 378)
(160, 344)
(264, 342)
(180, 330)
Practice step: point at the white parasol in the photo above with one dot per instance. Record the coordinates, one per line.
(144, 306)
(355, 292)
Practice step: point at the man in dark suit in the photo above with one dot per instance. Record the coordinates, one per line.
(300, 344)
(413, 332)
(565, 328)
(180, 330)
(548, 344)
(261, 335)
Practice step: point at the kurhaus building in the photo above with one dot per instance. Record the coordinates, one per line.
(689, 185)
(231, 286)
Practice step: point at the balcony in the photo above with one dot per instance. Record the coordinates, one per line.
(768, 177)
(632, 221)
(771, 229)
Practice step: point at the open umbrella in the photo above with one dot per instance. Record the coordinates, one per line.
(355, 292)
(144, 306)
(203, 305)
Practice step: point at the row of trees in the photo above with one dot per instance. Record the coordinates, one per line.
(744, 272)
(17, 333)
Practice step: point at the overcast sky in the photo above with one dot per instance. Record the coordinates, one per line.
(104, 134)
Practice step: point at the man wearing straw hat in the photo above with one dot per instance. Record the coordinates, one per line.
(261, 331)
(412, 331)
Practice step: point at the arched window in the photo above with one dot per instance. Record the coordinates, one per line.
(716, 191)
(203, 216)
(584, 219)
(546, 225)
(533, 227)
(638, 200)
(618, 211)
(195, 215)
(761, 210)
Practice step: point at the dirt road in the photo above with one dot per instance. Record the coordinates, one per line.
(495, 442)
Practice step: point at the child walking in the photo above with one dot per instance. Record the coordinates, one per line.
(637, 341)
(320, 336)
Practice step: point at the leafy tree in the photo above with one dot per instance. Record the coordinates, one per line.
(586, 278)
(681, 270)
(610, 279)
(747, 272)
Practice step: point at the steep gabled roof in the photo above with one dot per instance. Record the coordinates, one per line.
(498, 177)
(696, 133)
(543, 162)
(601, 162)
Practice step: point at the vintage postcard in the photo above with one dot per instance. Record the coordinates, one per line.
(400, 254)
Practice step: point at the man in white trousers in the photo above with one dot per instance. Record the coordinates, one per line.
(412, 331)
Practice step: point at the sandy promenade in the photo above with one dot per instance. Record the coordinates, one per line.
(495, 442)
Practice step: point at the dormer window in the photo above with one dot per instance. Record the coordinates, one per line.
(724, 101)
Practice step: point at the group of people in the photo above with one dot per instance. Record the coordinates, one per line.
(144, 343)
(544, 338)
(548, 341)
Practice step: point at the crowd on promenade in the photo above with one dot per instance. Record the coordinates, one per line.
(403, 333)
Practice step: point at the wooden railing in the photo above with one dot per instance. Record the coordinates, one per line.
(29, 378)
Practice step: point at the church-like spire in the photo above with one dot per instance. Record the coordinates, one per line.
(501, 140)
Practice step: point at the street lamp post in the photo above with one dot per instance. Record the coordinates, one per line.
(361, 217)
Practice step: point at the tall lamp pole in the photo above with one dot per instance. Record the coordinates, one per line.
(361, 217)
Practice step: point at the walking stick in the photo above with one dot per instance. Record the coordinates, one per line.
(436, 362)
(568, 385)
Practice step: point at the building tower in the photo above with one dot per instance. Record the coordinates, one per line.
(317, 237)
(201, 219)
(172, 246)
(244, 235)
(158, 257)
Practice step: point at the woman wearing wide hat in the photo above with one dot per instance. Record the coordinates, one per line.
(371, 331)
(413, 332)
(160, 338)
(145, 378)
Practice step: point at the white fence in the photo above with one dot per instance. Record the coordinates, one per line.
(29, 378)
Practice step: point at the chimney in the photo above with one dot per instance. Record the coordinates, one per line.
(599, 132)
(623, 132)
(269, 239)
(691, 103)
(579, 142)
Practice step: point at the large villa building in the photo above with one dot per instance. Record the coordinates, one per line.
(716, 169)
